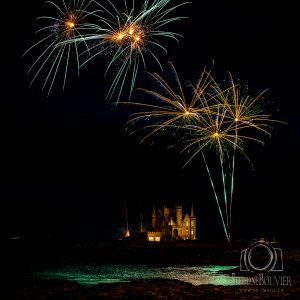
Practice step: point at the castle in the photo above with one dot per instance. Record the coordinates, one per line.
(172, 225)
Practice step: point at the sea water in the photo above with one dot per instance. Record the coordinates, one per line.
(88, 275)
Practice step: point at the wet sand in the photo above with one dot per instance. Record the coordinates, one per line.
(19, 288)
(144, 289)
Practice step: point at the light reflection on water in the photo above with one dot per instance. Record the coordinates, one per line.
(92, 275)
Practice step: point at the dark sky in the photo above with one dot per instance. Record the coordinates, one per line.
(67, 166)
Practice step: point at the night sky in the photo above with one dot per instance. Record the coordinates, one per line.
(67, 166)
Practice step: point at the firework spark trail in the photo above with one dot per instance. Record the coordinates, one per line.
(215, 117)
(59, 40)
(173, 110)
(200, 116)
(129, 32)
(131, 35)
(244, 113)
(204, 138)
(225, 228)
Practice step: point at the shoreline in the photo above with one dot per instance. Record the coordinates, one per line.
(138, 289)
(16, 259)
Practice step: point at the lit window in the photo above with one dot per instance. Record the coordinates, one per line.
(187, 223)
(157, 239)
(151, 239)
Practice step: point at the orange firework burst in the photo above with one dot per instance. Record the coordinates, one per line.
(215, 117)
(173, 109)
(131, 34)
(60, 41)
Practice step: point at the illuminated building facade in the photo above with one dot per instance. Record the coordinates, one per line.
(172, 225)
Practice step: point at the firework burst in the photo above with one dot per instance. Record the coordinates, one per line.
(130, 34)
(172, 109)
(215, 117)
(59, 40)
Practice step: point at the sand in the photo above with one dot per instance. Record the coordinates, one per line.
(143, 289)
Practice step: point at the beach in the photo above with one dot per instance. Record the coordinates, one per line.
(143, 289)
(16, 285)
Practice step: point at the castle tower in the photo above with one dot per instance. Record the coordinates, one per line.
(178, 209)
(166, 212)
(172, 225)
(186, 227)
(141, 218)
(153, 223)
(127, 232)
(193, 224)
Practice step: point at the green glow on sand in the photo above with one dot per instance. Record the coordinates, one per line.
(93, 275)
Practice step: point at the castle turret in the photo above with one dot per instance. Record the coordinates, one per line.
(178, 209)
(193, 224)
(127, 232)
(166, 212)
(169, 224)
(192, 210)
(153, 223)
